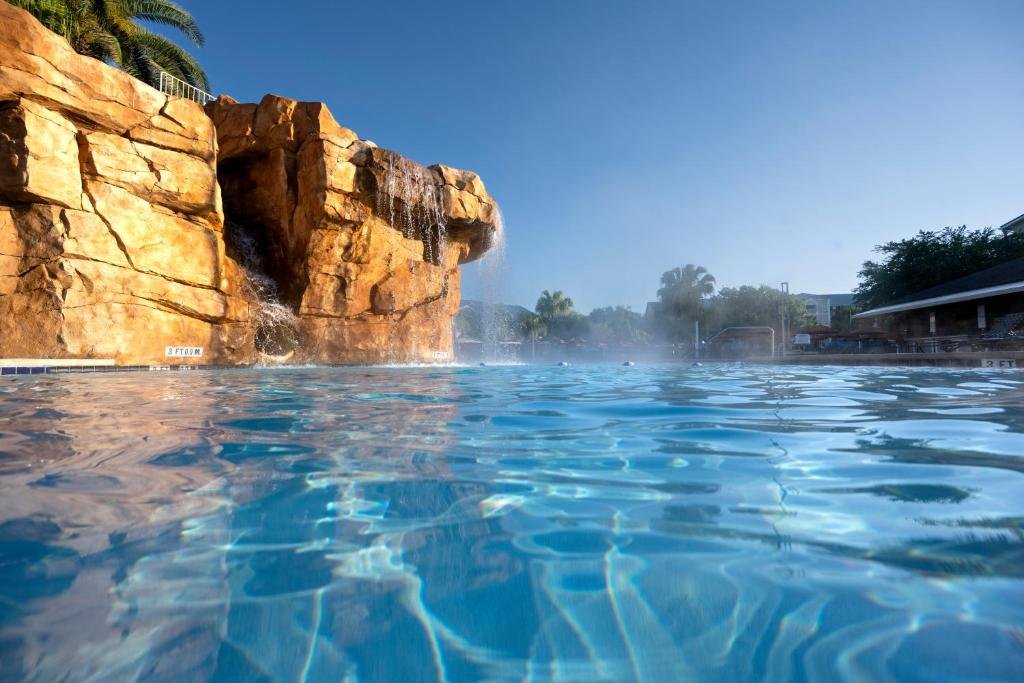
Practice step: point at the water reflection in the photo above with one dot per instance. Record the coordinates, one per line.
(724, 523)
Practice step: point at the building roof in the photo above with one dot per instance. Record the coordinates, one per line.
(1017, 222)
(840, 299)
(833, 299)
(1005, 278)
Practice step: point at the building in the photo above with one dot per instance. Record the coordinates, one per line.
(1015, 225)
(984, 308)
(822, 306)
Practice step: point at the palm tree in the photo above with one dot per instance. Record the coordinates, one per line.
(681, 295)
(531, 325)
(686, 282)
(550, 306)
(108, 30)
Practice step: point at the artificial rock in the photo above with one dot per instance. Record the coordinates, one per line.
(114, 199)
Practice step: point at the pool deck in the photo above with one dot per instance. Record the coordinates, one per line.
(992, 359)
(1004, 360)
(42, 366)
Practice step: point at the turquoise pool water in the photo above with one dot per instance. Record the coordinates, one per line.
(661, 523)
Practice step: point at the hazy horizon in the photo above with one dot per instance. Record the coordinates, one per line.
(764, 142)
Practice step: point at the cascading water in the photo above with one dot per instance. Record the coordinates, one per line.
(494, 322)
(274, 322)
(411, 198)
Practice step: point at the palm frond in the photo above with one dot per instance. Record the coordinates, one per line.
(56, 15)
(164, 12)
(171, 58)
(90, 39)
(131, 58)
(107, 30)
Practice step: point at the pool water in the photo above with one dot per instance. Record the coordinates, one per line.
(649, 523)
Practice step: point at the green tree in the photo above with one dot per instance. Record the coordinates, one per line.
(681, 299)
(109, 30)
(571, 326)
(617, 325)
(930, 258)
(551, 305)
(842, 317)
(758, 306)
(556, 312)
(531, 326)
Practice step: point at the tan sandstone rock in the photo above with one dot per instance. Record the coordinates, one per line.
(114, 243)
(111, 241)
(365, 243)
(38, 155)
(177, 180)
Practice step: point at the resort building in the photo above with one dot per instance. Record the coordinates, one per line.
(822, 306)
(983, 310)
(1016, 225)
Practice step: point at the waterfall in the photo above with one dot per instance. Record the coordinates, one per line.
(495, 323)
(412, 199)
(273, 321)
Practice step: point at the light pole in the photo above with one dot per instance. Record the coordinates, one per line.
(784, 288)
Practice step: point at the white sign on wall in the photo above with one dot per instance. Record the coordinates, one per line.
(998, 363)
(440, 355)
(183, 351)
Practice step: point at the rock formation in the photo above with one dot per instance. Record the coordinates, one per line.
(112, 230)
(365, 245)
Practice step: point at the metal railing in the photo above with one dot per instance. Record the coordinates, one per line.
(756, 329)
(171, 85)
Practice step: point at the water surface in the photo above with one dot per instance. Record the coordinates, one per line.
(655, 523)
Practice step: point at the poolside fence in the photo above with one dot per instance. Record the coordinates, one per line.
(171, 85)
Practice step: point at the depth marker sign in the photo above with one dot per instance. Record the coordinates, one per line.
(183, 351)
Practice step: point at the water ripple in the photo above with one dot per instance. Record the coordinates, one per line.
(727, 522)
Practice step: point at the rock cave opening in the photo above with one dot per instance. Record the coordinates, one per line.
(256, 242)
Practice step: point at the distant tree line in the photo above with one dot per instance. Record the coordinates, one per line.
(930, 258)
(687, 295)
(687, 299)
(554, 318)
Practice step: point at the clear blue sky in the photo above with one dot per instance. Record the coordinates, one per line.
(766, 141)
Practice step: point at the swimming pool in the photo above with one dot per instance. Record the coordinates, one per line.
(654, 523)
